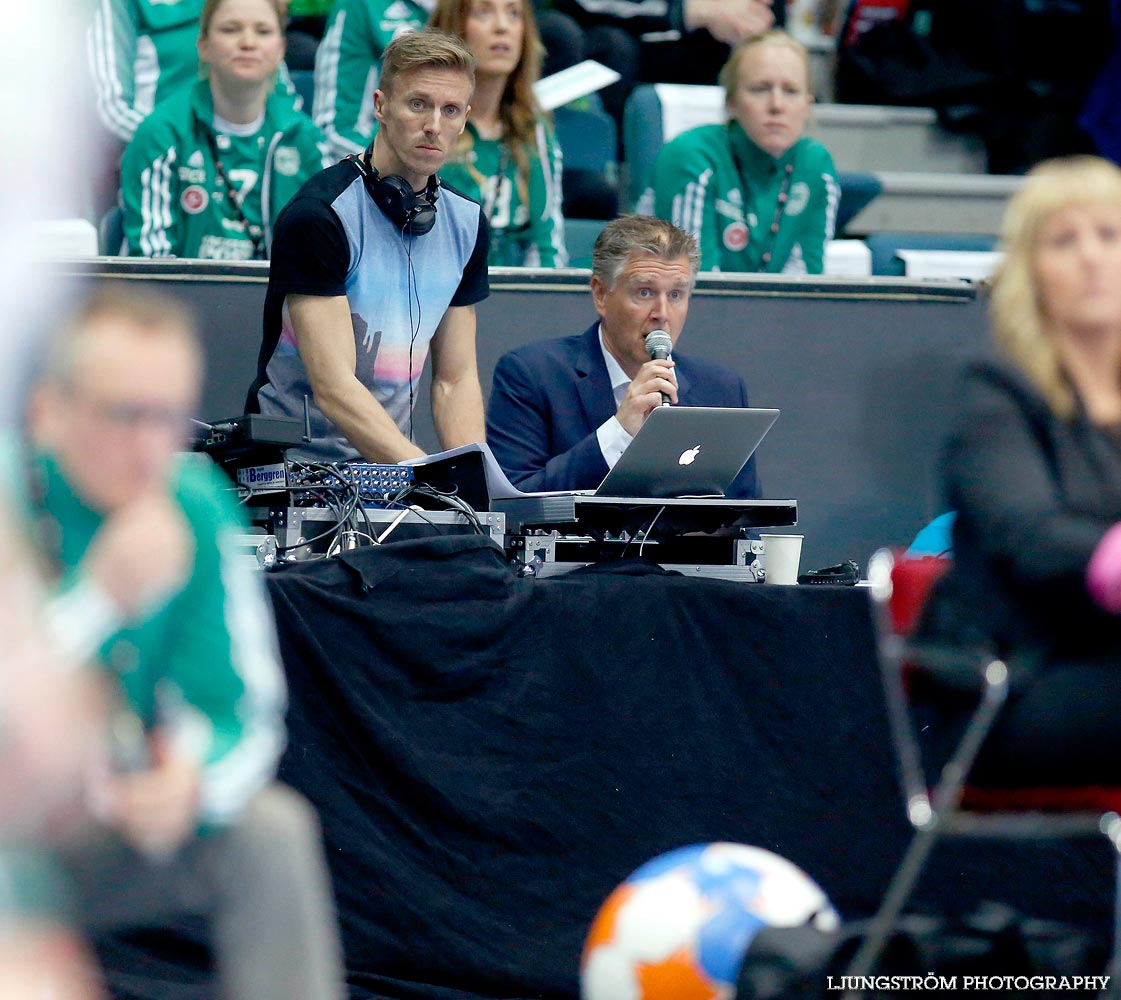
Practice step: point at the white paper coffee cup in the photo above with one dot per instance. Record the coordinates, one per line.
(781, 555)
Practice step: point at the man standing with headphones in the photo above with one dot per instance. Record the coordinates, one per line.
(374, 265)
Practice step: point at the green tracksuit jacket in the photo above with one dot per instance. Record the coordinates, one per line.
(205, 665)
(522, 234)
(174, 203)
(347, 64)
(139, 52)
(730, 206)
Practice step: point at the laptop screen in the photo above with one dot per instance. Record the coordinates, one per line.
(688, 451)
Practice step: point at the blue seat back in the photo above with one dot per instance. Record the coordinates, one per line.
(111, 233)
(304, 82)
(579, 237)
(883, 247)
(588, 139)
(858, 189)
(642, 139)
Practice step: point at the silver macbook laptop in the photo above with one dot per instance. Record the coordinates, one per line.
(688, 451)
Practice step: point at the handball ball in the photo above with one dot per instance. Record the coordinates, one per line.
(679, 927)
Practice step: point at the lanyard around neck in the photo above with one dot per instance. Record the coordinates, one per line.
(490, 191)
(780, 204)
(255, 233)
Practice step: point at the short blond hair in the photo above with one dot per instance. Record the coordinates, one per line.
(730, 72)
(143, 310)
(429, 48)
(1019, 322)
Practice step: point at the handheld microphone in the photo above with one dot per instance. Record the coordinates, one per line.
(659, 344)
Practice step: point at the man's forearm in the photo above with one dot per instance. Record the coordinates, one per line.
(457, 412)
(325, 338)
(364, 423)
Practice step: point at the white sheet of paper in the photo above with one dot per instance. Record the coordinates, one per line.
(577, 81)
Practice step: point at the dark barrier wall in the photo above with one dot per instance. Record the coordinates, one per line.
(863, 371)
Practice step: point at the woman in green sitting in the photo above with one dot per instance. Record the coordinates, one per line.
(507, 157)
(756, 192)
(207, 173)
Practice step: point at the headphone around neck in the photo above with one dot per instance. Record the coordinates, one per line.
(412, 214)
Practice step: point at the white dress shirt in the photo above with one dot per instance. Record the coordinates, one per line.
(612, 437)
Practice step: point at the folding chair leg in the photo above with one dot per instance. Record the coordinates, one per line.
(898, 892)
(1111, 827)
(944, 800)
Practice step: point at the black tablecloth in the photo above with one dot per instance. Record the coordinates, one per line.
(491, 756)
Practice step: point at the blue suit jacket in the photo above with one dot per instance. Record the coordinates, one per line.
(548, 398)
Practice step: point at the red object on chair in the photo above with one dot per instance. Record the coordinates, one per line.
(1096, 798)
(911, 583)
(864, 14)
(953, 808)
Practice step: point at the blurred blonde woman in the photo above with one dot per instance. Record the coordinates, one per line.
(1034, 472)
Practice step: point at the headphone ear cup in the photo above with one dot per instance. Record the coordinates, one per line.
(394, 197)
(423, 214)
(422, 217)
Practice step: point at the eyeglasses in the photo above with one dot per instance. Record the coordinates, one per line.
(125, 415)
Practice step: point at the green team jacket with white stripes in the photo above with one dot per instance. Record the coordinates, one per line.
(348, 62)
(523, 233)
(204, 665)
(140, 52)
(175, 204)
(730, 207)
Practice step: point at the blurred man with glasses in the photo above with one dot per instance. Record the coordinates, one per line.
(137, 544)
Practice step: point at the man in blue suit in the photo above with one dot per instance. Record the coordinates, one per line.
(562, 411)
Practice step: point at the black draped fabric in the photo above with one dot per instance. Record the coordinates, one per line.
(490, 756)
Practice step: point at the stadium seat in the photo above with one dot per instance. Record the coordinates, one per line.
(111, 233)
(885, 246)
(304, 82)
(858, 190)
(587, 138)
(642, 139)
(580, 236)
(299, 52)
